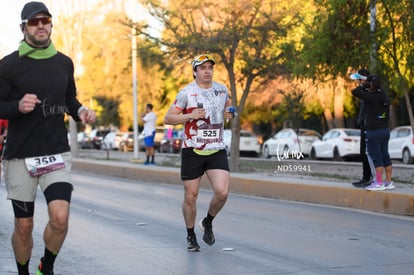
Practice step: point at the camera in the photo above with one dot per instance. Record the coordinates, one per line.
(371, 78)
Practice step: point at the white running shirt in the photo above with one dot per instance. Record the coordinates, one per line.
(207, 133)
(149, 123)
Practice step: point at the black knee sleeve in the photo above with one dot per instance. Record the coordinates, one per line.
(58, 191)
(23, 209)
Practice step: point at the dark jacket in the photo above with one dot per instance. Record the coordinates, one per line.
(377, 108)
(42, 131)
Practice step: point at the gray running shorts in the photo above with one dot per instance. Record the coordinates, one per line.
(23, 187)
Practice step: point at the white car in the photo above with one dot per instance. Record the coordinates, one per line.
(290, 143)
(337, 144)
(111, 140)
(401, 144)
(249, 143)
(84, 142)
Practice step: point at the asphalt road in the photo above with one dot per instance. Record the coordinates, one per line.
(121, 226)
(336, 171)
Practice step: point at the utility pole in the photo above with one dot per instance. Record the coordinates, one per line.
(134, 87)
(373, 23)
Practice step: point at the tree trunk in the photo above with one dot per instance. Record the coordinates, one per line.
(339, 93)
(393, 117)
(409, 108)
(329, 118)
(234, 162)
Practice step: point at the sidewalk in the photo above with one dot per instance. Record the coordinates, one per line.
(399, 201)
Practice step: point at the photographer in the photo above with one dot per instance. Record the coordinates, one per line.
(377, 131)
(361, 77)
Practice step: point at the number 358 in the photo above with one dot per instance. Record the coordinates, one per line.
(44, 160)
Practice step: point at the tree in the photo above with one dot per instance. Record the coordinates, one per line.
(107, 67)
(362, 33)
(396, 47)
(338, 39)
(293, 104)
(248, 38)
(70, 39)
(98, 73)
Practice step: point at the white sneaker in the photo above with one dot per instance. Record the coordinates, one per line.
(375, 186)
(389, 185)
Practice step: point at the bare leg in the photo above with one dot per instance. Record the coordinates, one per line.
(219, 180)
(189, 207)
(388, 173)
(152, 152)
(57, 227)
(379, 171)
(22, 239)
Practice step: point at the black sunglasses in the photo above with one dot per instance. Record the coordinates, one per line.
(35, 21)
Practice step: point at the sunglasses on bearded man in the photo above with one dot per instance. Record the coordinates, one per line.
(35, 21)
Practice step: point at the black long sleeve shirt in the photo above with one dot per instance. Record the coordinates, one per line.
(361, 115)
(42, 131)
(377, 108)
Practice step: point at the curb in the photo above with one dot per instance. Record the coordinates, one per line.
(399, 201)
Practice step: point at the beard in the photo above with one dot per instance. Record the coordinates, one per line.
(38, 43)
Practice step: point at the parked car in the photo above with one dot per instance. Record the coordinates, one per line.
(159, 136)
(249, 143)
(173, 144)
(112, 140)
(290, 143)
(337, 144)
(84, 141)
(127, 142)
(141, 143)
(96, 136)
(401, 144)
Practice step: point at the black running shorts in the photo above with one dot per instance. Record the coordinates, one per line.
(194, 165)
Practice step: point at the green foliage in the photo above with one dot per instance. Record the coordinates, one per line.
(350, 105)
(248, 37)
(107, 111)
(255, 42)
(337, 39)
(397, 43)
(293, 105)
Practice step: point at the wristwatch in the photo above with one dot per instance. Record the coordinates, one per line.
(81, 108)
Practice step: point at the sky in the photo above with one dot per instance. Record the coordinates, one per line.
(10, 20)
(10, 30)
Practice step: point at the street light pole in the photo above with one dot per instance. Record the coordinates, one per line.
(134, 88)
(373, 24)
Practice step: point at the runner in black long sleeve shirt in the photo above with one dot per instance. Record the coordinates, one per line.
(37, 89)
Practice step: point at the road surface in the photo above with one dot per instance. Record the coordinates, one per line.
(121, 226)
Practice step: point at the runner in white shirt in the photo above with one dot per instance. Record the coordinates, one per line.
(201, 106)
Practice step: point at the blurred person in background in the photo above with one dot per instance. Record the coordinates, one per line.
(378, 133)
(361, 77)
(150, 119)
